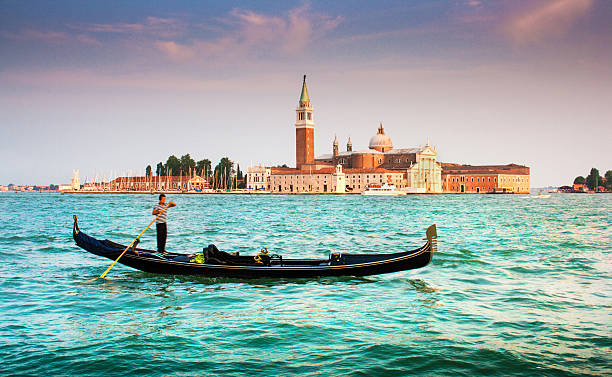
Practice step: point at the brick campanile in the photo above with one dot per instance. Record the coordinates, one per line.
(304, 130)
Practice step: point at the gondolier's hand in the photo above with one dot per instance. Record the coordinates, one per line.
(171, 204)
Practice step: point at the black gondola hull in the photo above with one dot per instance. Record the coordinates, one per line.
(355, 264)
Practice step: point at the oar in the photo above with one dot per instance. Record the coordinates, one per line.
(130, 245)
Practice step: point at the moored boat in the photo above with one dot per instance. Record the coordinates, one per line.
(384, 190)
(212, 262)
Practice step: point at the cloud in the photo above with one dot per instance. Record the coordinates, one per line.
(157, 26)
(553, 19)
(50, 36)
(174, 50)
(248, 33)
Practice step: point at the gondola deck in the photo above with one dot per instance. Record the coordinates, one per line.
(220, 264)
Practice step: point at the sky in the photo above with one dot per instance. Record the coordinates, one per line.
(108, 87)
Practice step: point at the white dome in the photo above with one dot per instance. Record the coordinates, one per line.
(381, 140)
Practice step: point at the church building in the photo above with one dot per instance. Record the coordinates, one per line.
(415, 169)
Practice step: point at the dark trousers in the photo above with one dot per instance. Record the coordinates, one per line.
(162, 232)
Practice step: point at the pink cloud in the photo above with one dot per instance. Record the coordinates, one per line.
(174, 50)
(554, 18)
(160, 27)
(252, 33)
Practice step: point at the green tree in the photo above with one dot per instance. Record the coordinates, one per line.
(239, 172)
(579, 180)
(203, 168)
(240, 178)
(593, 180)
(187, 164)
(148, 173)
(608, 177)
(160, 169)
(173, 166)
(223, 174)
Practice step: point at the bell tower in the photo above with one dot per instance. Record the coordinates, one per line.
(335, 146)
(304, 130)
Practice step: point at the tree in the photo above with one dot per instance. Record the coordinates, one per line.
(608, 177)
(173, 166)
(160, 169)
(148, 173)
(239, 175)
(203, 168)
(593, 180)
(187, 164)
(223, 173)
(240, 178)
(579, 180)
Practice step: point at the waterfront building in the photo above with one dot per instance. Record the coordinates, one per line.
(159, 183)
(510, 178)
(258, 178)
(62, 188)
(580, 187)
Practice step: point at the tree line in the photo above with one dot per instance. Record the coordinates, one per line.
(224, 175)
(594, 180)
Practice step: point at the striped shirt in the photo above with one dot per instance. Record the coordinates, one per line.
(162, 218)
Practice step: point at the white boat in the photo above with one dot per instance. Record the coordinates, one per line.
(384, 190)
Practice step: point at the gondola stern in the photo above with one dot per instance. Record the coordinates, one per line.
(432, 237)
(89, 243)
(75, 227)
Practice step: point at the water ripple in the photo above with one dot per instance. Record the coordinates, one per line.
(519, 287)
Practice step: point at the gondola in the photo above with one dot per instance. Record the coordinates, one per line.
(212, 262)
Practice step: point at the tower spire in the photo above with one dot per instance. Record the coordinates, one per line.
(335, 146)
(304, 100)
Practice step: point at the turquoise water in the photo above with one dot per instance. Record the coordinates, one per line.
(520, 286)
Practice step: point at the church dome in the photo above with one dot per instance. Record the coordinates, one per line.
(381, 141)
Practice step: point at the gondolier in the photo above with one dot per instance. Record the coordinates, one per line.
(160, 222)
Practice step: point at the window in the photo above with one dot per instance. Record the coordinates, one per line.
(309, 116)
